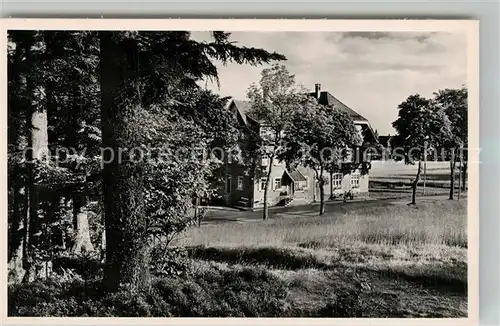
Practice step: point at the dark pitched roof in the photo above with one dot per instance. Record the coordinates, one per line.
(242, 107)
(296, 176)
(328, 99)
(325, 98)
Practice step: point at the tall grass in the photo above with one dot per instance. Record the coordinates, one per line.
(430, 223)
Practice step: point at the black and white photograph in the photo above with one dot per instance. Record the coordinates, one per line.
(201, 172)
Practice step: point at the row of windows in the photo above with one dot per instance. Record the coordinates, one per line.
(336, 182)
(275, 186)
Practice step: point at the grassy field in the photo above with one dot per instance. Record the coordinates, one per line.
(370, 259)
(375, 258)
(404, 261)
(386, 173)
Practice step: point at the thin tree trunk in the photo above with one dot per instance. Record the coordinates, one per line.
(265, 213)
(331, 185)
(415, 183)
(103, 244)
(26, 223)
(197, 215)
(464, 177)
(452, 175)
(321, 196)
(460, 167)
(127, 248)
(58, 238)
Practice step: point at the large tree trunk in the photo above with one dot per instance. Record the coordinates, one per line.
(16, 232)
(265, 213)
(82, 243)
(452, 175)
(415, 183)
(17, 137)
(37, 157)
(127, 250)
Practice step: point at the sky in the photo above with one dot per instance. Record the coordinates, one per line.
(371, 72)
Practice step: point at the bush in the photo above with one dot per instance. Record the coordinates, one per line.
(214, 292)
(169, 261)
(246, 292)
(285, 258)
(127, 303)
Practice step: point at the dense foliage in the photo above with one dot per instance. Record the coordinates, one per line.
(431, 125)
(319, 138)
(96, 124)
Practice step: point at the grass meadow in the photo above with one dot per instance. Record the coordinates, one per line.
(400, 260)
(379, 258)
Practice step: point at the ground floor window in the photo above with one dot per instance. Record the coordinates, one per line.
(277, 183)
(355, 180)
(262, 184)
(300, 185)
(228, 184)
(337, 180)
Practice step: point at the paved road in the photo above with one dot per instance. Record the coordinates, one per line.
(226, 214)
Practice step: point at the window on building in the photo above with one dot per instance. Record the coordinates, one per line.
(228, 184)
(337, 180)
(277, 183)
(355, 180)
(240, 182)
(300, 185)
(262, 184)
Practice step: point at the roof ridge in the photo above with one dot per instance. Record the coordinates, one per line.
(342, 103)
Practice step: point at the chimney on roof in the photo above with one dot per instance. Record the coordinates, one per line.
(317, 90)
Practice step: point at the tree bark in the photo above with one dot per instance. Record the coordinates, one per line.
(16, 233)
(452, 175)
(265, 213)
(37, 157)
(17, 228)
(464, 177)
(415, 183)
(197, 215)
(17, 121)
(82, 243)
(321, 196)
(331, 185)
(127, 249)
